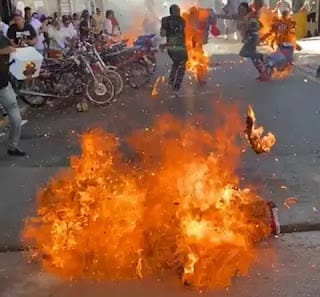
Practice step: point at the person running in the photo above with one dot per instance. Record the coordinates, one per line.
(8, 99)
(173, 29)
(249, 26)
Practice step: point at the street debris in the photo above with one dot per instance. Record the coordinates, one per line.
(259, 143)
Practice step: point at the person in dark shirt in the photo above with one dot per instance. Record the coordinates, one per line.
(173, 28)
(20, 33)
(8, 98)
(27, 14)
(85, 25)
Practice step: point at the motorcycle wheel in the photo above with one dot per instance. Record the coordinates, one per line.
(138, 75)
(116, 80)
(100, 92)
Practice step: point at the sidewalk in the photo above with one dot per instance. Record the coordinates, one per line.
(289, 266)
(308, 60)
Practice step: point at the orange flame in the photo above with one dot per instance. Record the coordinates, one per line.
(178, 209)
(198, 61)
(276, 29)
(259, 143)
(155, 88)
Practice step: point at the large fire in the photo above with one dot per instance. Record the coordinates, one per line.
(178, 208)
(198, 62)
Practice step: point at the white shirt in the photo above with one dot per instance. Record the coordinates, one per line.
(64, 34)
(36, 24)
(4, 28)
(107, 27)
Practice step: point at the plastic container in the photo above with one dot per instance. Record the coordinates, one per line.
(25, 63)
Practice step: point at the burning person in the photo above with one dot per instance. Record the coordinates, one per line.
(283, 39)
(196, 29)
(173, 28)
(282, 31)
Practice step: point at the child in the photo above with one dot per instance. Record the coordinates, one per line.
(249, 26)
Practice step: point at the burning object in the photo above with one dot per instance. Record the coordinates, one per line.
(259, 143)
(179, 209)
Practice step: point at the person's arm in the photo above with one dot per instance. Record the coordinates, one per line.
(33, 37)
(5, 49)
(163, 29)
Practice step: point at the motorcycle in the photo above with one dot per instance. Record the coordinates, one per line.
(62, 79)
(99, 66)
(134, 62)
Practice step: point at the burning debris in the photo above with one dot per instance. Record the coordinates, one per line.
(259, 143)
(179, 209)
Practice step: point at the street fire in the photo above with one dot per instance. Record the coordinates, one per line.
(259, 143)
(198, 61)
(179, 208)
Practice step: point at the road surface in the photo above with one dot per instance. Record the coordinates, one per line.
(289, 108)
(288, 266)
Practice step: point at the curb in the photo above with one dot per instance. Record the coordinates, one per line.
(285, 229)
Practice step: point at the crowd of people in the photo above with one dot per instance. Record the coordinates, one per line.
(43, 32)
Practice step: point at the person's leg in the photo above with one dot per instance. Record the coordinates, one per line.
(179, 59)
(174, 67)
(8, 100)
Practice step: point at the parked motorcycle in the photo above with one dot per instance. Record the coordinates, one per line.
(65, 78)
(99, 66)
(136, 63)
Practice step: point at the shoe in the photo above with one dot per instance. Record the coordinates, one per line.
(16, 152)
(23, 122)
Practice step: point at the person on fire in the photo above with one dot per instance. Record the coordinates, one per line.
(173, 29)
(196, 25)
(282, 31)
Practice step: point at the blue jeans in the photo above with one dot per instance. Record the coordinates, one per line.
(8, 99)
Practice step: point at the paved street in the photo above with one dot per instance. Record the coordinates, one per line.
(289, 108)
(287, 267)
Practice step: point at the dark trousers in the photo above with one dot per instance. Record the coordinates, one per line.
(249, 50)
(179, 59)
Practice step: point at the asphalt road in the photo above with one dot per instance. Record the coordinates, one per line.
(289, 108)
(286, 267)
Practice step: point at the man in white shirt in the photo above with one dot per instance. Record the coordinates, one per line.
(66, 33)
(36, 24)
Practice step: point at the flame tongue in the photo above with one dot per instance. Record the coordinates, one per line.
(259, 143)
(179, 209)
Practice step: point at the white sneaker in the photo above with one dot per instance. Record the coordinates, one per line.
(23, 122)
